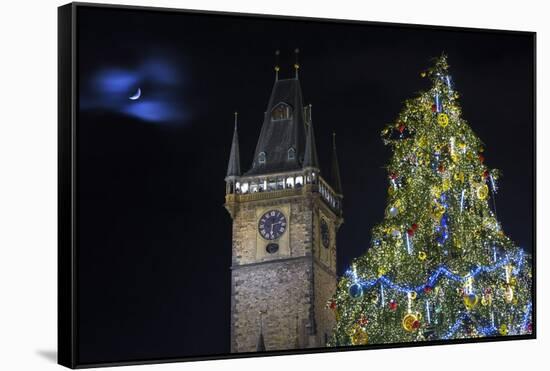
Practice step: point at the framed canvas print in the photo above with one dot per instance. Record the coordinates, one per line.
(235, 185)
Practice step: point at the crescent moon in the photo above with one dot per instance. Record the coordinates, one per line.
(136, 95)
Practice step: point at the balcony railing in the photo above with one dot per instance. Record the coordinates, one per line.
(283, 185)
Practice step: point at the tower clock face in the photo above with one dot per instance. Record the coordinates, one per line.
(272, 225)
(325, 233)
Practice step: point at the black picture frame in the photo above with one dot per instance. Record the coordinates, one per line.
(68, 84)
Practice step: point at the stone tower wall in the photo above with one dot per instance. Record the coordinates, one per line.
(291, 286)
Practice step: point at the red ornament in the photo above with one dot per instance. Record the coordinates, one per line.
(401, 127)
(427, 289)
(393, 176)
(332, 304)
(486, 174)
(414, 227)
(416, 324)
(363, 321)
(481, 158)
(487, 290)
(410, 232)
(441, 168)
(434, 108)
(393, 305)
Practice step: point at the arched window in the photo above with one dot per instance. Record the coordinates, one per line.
(261, 158)
(282, 111)
(291, 153)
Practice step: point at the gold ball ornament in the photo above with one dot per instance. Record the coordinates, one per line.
(412, 295)
(459, 177)
(471, 301)
(503, 329)
(422, 141)
(411, 322)
(438, 211)
(422, 256)
(359, 335)
(482, 191)
(487, 300)
(436, 192)
(443, 120)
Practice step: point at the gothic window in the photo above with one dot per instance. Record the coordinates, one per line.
(291, 153)
(261, 158)
(281, 112)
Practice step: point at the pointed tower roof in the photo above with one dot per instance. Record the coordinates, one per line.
(310, 155)
(283, 130)
(336, 183)
(234, 165)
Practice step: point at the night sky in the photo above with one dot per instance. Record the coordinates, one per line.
(154, 237)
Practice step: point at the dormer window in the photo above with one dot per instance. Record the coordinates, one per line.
(291, 153)
(282, 111)
(261, 158)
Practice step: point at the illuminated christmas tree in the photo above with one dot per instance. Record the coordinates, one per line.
(439, 265)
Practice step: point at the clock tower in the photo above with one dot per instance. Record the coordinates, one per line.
(286, 215)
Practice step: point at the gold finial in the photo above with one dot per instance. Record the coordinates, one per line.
(277, 68)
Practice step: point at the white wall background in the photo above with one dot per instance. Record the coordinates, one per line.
(28, 182)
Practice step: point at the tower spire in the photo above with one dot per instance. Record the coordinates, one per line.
(310, 155)
(276, 68)
(234, 165)
(296, 64)
(335, 168)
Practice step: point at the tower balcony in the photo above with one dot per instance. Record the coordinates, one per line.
(243, 189)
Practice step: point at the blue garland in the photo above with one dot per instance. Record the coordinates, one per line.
(527, 316)
(442, 271)
(483, 330)
(487, 330)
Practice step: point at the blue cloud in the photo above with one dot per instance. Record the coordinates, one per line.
(152, 111)
(116, 81)
(160, 81)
